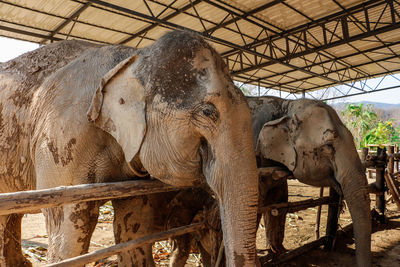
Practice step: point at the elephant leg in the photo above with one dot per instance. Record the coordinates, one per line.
(206, 258)
(181, 250)
(133, 218)
(10, 243)
(70, 228)
(275, 223)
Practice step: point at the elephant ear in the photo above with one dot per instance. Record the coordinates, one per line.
(274, 143)
(118, 107)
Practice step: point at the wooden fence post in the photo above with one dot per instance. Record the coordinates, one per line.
(390, 165)
(333, 218)
(318, 219)
(380, 180)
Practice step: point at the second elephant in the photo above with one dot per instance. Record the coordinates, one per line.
(310, 140)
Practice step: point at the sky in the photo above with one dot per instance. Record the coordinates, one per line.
(10, 48)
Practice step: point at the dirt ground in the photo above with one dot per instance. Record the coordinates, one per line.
(300, 229)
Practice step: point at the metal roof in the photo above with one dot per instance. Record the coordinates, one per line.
(295, 46)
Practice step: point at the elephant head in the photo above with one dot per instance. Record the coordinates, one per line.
(177, 115)
(311, 141)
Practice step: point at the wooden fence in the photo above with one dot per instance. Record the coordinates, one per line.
(31, 201)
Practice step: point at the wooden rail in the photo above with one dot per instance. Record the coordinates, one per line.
(28, 201)
(298, 205)
(116, 249)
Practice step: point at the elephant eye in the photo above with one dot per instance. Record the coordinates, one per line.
(203, 74)
(210, 111)
(207, 111)
(204, 113)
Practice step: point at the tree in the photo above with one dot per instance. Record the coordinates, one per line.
(360, 120)
(367, 127)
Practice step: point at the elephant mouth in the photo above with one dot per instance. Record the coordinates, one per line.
(137, 168)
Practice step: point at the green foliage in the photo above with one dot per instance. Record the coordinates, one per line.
(381, 134)
(367, 128)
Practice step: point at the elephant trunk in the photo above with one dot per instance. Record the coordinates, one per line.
(236, 188)
(354, 186)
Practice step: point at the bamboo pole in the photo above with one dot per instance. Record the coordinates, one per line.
(392, 188)
(116, 249)
(297, 205)
(26, 201)
(308, 203)
(220, 254)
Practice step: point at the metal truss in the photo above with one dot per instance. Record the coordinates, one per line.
(368, 85)
(272, 45)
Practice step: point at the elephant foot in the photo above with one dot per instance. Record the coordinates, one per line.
(10, 242)
(70, 228)
(276, 250)
(15, 261)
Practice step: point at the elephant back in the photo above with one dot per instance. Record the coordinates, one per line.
(264, 109)
(30, 69)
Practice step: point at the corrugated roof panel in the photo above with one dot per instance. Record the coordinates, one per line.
(56, 7)
(278, 15)
(119, 21)
(19, 15)
(107, 36)
(114, 21)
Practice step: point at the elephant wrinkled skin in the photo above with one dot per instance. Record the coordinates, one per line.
(74, 112)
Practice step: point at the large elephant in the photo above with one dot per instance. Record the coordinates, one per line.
(308, 137)
(74, 113)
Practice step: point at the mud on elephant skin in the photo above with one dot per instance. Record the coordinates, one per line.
(308, 137)
(91, 113)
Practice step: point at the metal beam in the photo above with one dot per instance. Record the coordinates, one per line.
(239, 16)
(41, 36)
(33, 34)
(65, 18)
(340, 70)
(363, 93)
(318, 22)
(209, 37)
(342, 41)
(370, 50)
(375, 75)
(65, 23)
(152, 26)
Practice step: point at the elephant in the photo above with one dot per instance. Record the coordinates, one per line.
(309, 139)
(190, 206)
(74, 113)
